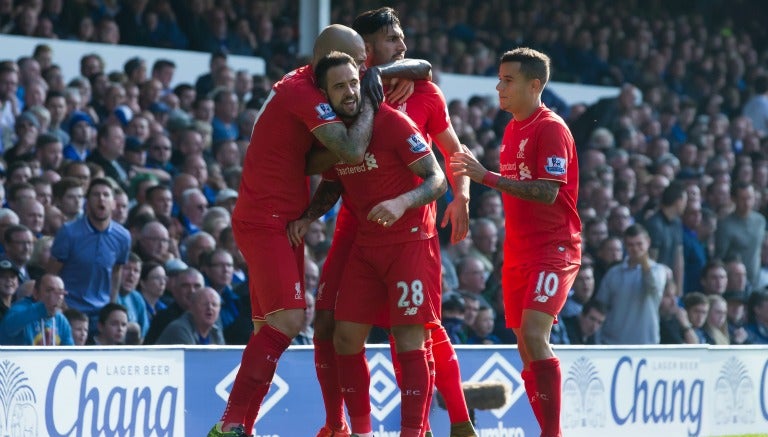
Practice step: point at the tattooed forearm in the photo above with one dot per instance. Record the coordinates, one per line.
(325, 197)
(537, 191)
(433, 185)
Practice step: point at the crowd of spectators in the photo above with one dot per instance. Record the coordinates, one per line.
(674, 169)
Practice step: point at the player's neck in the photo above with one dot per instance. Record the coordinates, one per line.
(526, 112)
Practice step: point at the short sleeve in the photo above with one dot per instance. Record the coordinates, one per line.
(554, 152)
(61, 245)
(411, 145)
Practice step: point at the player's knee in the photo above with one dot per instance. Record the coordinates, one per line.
(408, 337)
(324, 325)
(289, 322)
(535, 339)
(347, 341)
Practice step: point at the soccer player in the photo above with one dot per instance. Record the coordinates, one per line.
(384, 43)
(272, 193)
(539, 185)
(392, 276)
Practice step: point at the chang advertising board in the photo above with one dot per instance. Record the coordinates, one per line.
(91, 392)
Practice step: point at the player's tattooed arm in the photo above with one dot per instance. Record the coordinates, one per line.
(326, 195)
(543, 191)
(349, 144)
(406, 69)
(434, 183)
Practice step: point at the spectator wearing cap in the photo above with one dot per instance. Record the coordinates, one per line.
(38, 320)
(225, 106)
(742, 232)
(226, 199)
(134, 160)
(57, 108)
(90, 252)
(110, 147)
(27, 129)
(82, 134)
(129, 296)
(19, 242)
(9, 282)
(159, 154)
(187, 282)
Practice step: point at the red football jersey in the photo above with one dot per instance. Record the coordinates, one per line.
(541, 147)
(384, 174)
(273, 185)
(427, 108)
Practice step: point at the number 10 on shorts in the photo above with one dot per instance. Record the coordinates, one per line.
(546, 286)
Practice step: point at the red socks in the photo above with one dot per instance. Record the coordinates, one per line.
(414, 389)
(547, 378)
(449, 383)
(530, 390)
(328, 377)
(431, 387)
(355, 381)
(255, 374)
(395, 361)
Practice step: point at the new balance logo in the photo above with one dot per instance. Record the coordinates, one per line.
(411, 311)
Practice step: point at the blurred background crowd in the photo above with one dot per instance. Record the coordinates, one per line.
(674, 167)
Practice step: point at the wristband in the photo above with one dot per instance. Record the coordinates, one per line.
(491, 179)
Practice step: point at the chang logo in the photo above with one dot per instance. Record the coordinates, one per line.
(497, 368)
(385, 395)
(584, 402)
(734, 401)
(277, 391)
(18, 402)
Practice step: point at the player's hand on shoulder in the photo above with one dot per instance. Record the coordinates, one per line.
(399, 91)
(372, 87)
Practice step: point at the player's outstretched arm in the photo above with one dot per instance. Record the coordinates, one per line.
(326, 195)
(543, 191)
(432, 186)
(349, 144)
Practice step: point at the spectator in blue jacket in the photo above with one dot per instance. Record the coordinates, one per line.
(37, 320)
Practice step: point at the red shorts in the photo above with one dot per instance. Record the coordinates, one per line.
(275, 268)
(392, 285)
(537, 286)
(334, 265)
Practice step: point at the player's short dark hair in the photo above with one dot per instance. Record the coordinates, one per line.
(370, 22)
(333, 59)
(533, 63)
